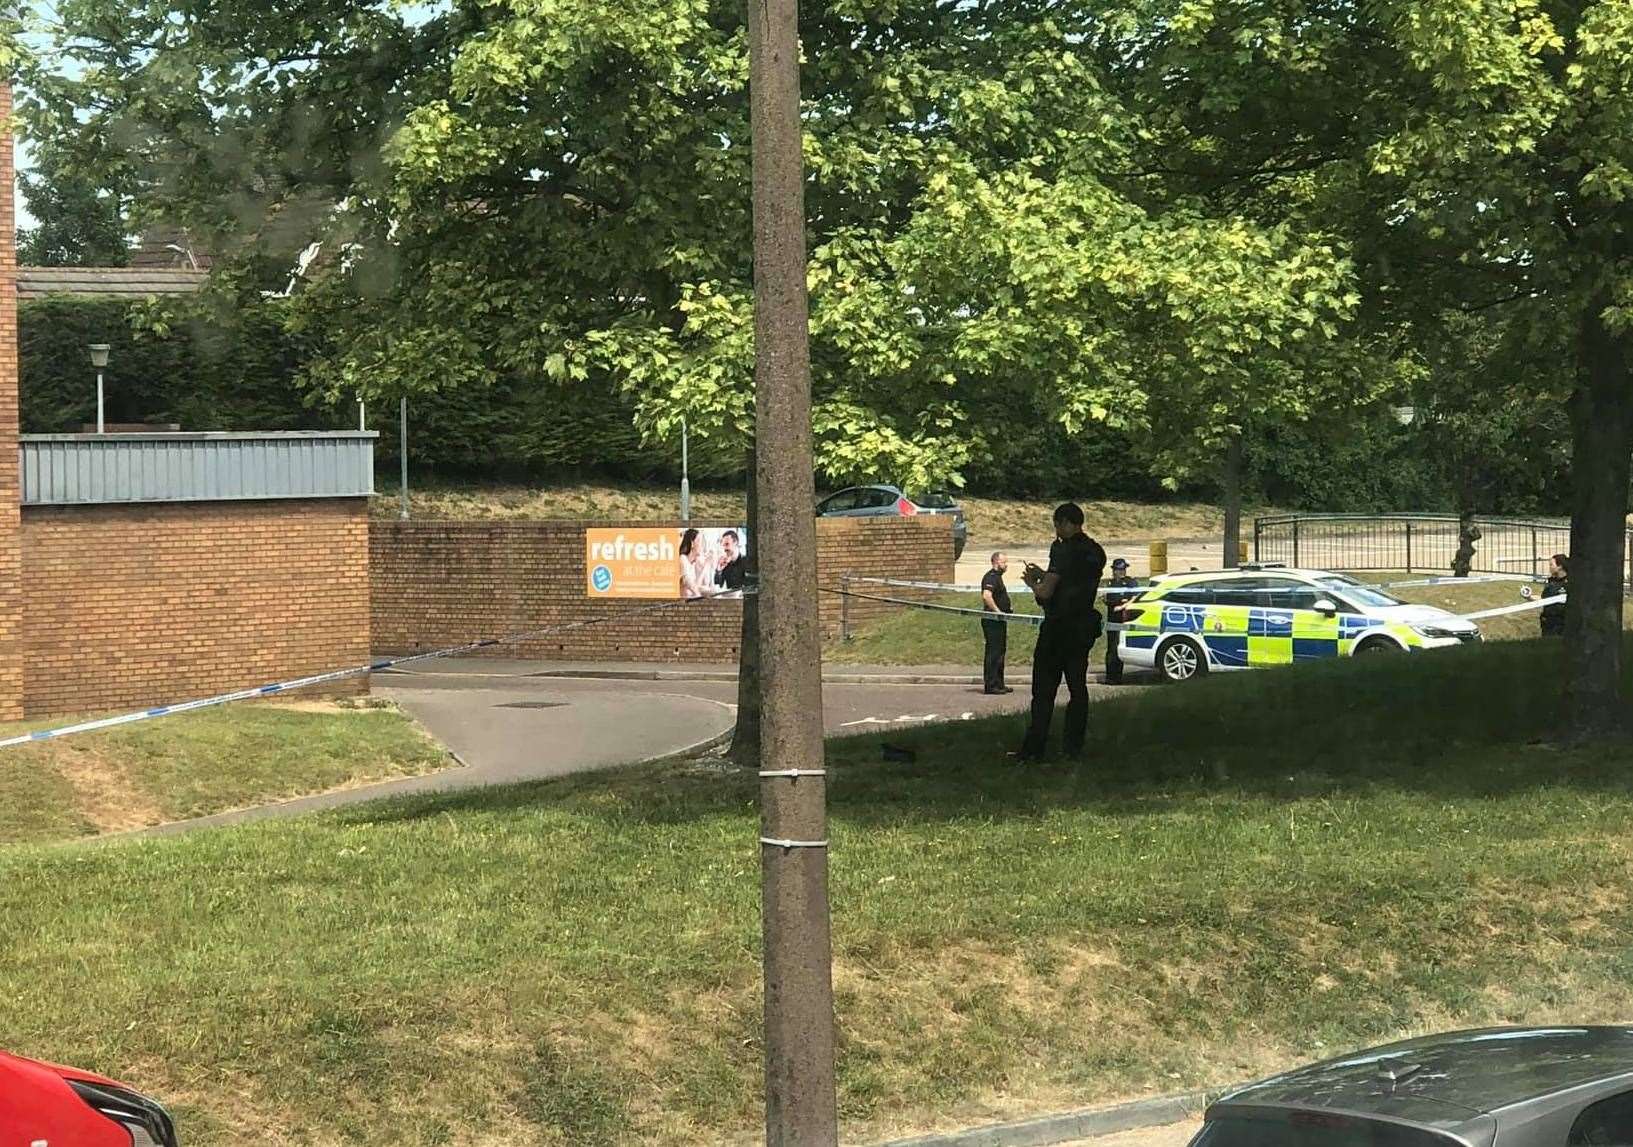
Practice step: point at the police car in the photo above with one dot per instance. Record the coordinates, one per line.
(1185, 625)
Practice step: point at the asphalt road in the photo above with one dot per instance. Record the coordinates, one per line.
(509, 727)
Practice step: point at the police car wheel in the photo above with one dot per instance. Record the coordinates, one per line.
(1180, 660)
(1377, 645)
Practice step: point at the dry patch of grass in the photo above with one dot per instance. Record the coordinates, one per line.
(577, 501)
(196, 764)
(105, 795)
(999, 521)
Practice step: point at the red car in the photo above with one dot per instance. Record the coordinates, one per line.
(43, 1105)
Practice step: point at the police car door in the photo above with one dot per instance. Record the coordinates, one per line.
(1228, 629)
(1313, 635)
(1270, 623)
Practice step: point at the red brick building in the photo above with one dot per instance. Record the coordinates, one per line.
(141, 569)
(11, 605)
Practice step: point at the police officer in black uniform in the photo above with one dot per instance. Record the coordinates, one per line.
(1114, 614)
(1553, 616)
(995, 599)
(1071, 625)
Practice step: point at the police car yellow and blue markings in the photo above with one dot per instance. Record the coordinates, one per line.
(1240, 636)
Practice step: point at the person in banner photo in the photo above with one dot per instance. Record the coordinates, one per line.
(696, 564)
(732, 563)
(713, 562)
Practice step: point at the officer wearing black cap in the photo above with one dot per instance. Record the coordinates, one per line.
(1114, 614)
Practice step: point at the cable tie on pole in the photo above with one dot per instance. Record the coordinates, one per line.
(774, 843)
(794, 773)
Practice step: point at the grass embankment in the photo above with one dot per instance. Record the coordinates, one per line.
(200, 763)
(1260, 868)
(908, 636)
(994, 520)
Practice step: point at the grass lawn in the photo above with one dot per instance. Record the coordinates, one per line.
(1254, 870)
(200, 763)
(992, 520)
(922, 637)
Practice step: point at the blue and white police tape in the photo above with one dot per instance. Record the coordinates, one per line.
(1504, 610)
(950, 587)
(278, 687)
(1035, 619)
(1204, 587)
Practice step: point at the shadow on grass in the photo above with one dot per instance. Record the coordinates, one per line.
(1474, 722)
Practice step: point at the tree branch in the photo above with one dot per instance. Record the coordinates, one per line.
(1470, 309)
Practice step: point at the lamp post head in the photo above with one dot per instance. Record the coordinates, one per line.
(99, 354)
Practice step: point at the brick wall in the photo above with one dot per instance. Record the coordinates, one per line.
(136, 605)
(912, 549)
(11, 654)
(442, 583)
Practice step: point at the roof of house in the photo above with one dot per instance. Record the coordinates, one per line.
(172, 247)
(107, 282)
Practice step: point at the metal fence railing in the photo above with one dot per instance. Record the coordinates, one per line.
(1414, 542)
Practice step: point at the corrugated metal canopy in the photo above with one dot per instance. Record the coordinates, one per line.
(92, 469)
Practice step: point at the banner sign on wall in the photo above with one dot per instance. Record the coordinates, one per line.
(665, 563)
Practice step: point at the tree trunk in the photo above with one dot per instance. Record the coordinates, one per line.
(745, 738)
(1602, 436)
(1232, 482)
(1467, 532)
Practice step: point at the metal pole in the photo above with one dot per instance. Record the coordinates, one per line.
(1409, 547)
(1295, 544)
(402, 450)
(685, 480)
(800, 1102)
(362, 414)
(844, 607)
(100, 425)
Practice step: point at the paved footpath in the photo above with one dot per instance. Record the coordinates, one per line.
(510, 721)
(517, 720)
(1174, 1135)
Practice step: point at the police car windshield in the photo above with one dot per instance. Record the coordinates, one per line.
(1356, 592)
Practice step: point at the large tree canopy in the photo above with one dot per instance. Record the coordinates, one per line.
(559, 187)
(1476, 156)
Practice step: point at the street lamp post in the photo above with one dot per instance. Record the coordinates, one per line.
(402, 444)
(685, 481)
(99, 359)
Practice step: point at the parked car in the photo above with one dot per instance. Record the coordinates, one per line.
(1185, 625)
(1508, 1087)
(891, 502)
(42, 1103)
